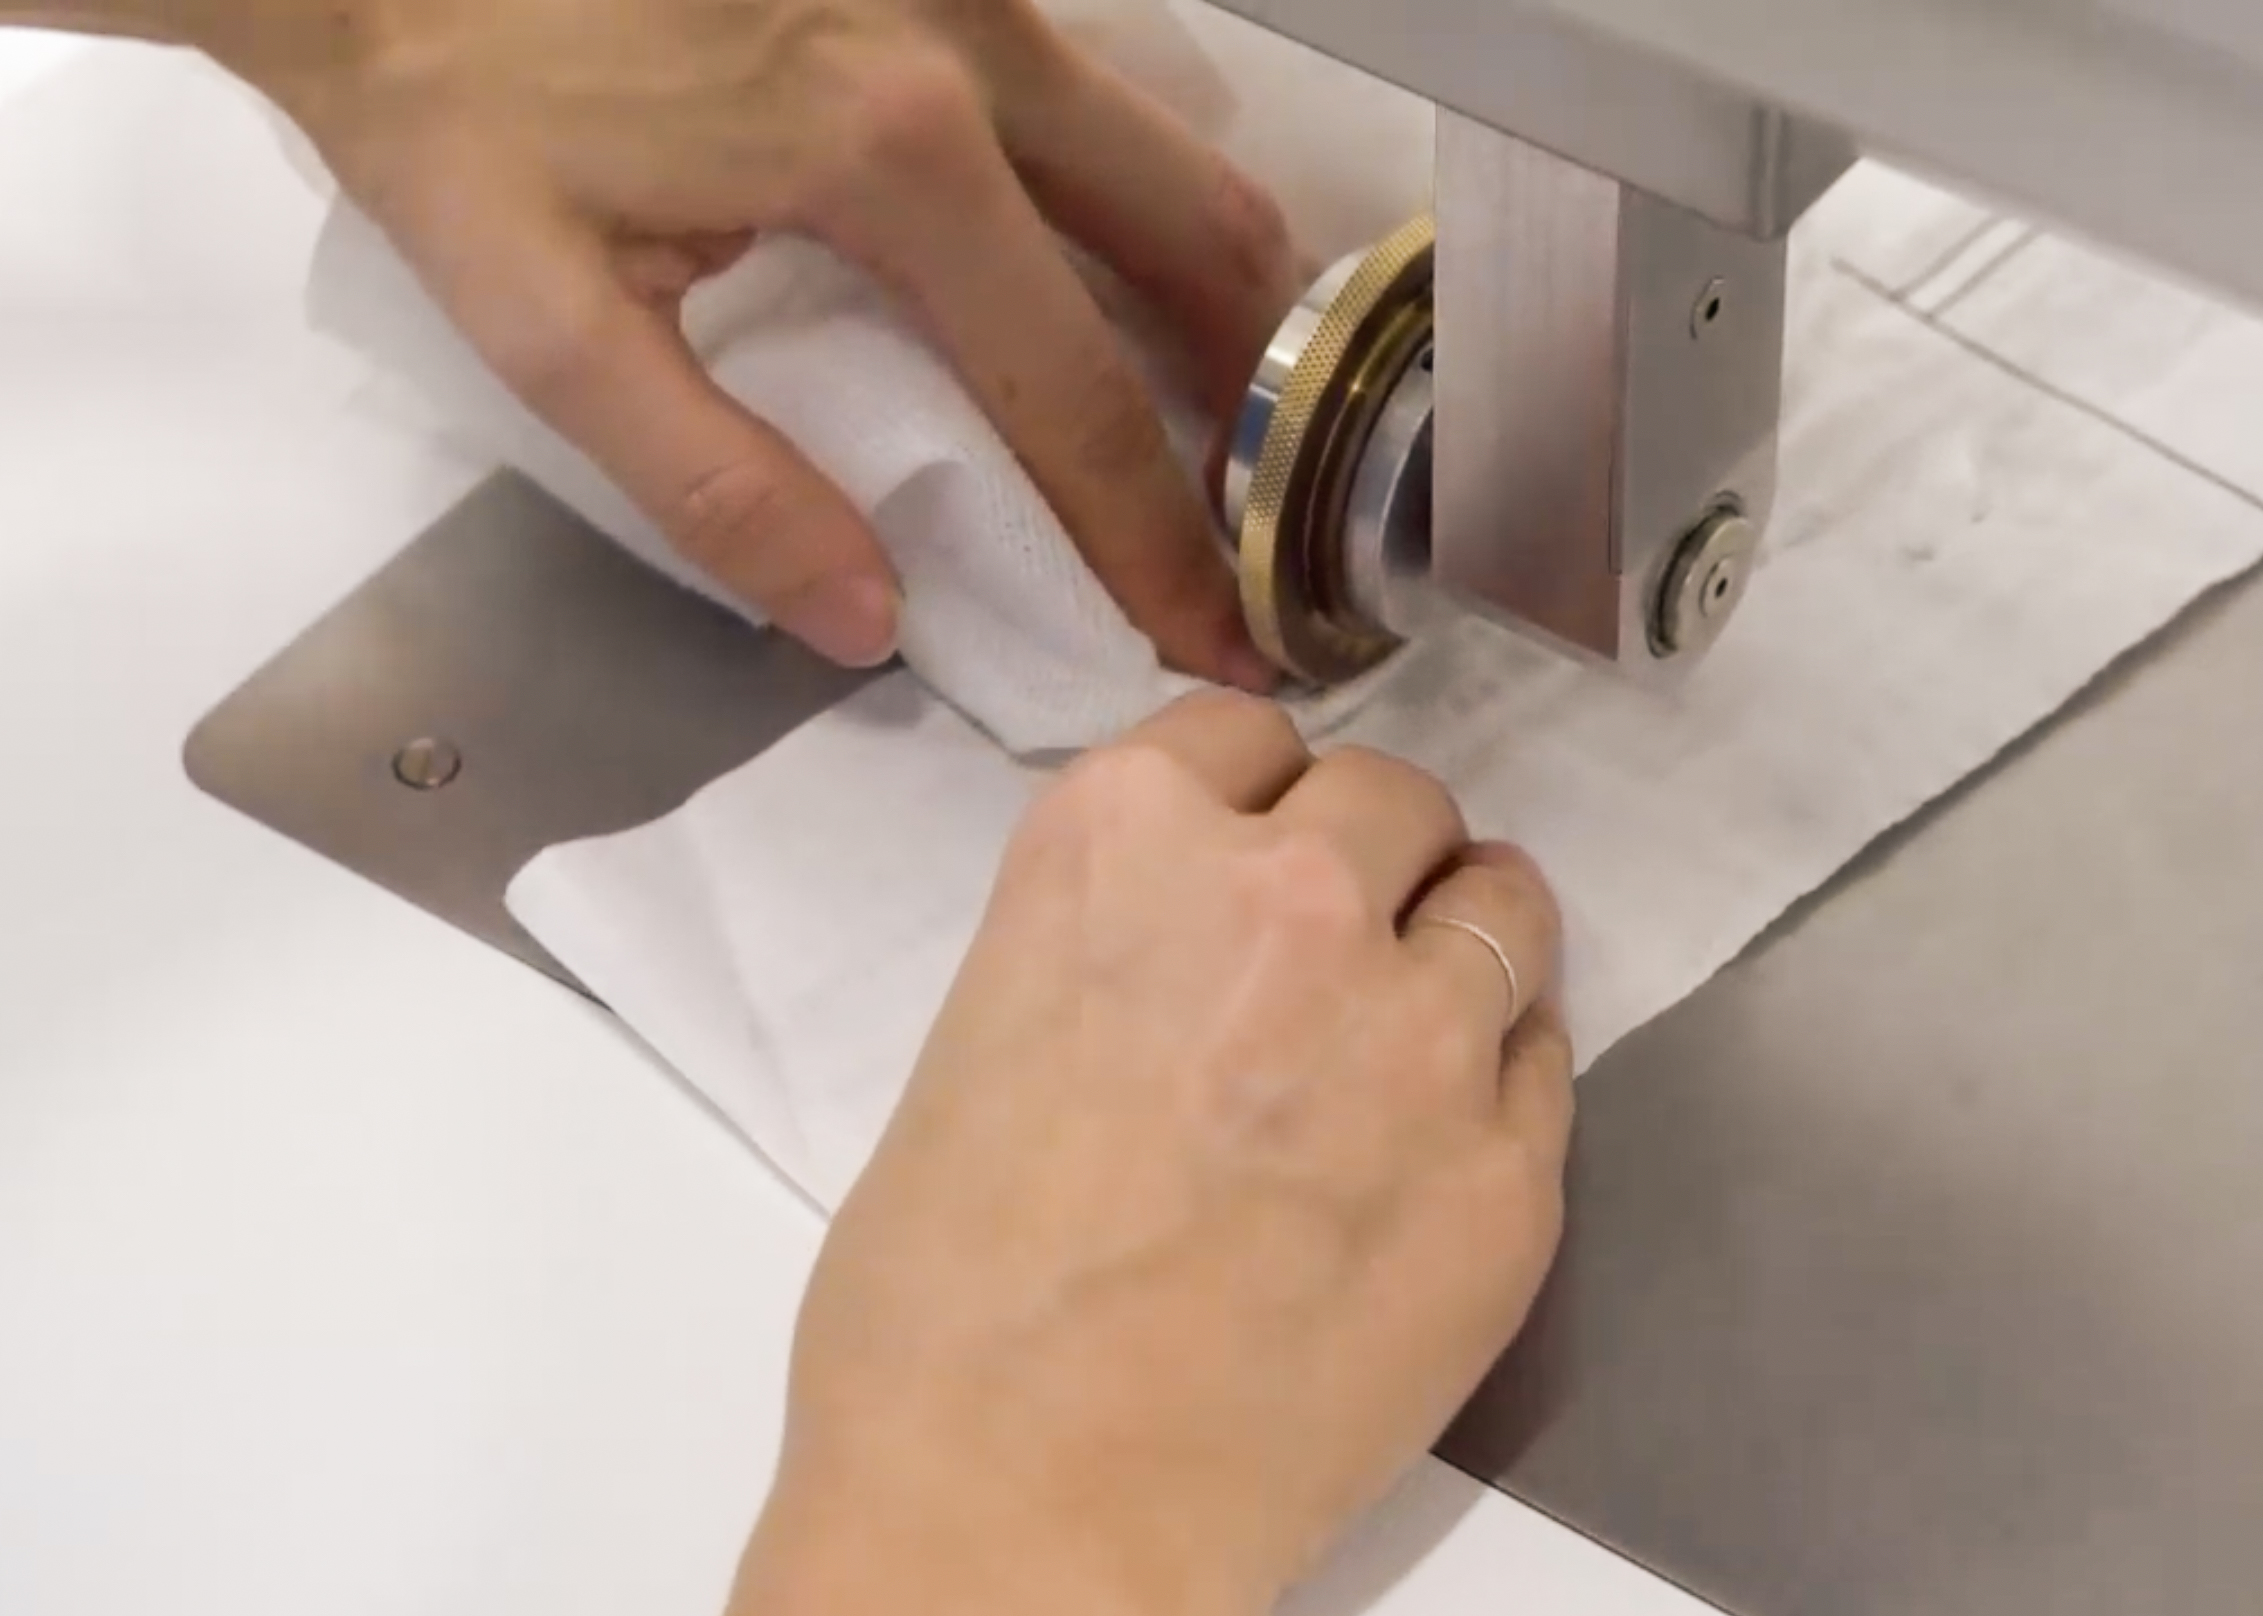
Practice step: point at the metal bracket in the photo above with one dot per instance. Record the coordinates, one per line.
(1609, 379)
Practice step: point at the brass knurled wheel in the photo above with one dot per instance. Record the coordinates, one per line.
(1291, 541)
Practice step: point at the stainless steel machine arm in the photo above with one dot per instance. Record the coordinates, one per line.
(1600, 390)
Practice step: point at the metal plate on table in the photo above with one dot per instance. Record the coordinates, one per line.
(1915, 1265)
(510, 681)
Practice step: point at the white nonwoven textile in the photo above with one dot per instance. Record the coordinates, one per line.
(1001, 614)
(2006, 462)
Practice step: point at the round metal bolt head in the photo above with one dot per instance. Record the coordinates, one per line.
(427, 764)
(1716, 597)
(1705, 584)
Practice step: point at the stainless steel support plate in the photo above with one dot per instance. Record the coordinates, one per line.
(582, 693)
(1916, 1265)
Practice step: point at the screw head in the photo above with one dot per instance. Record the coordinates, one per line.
(1711, 308)
(1704, 585)
(1721, 587)
(427, 764)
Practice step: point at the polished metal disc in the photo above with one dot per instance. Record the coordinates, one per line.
(1305, 427)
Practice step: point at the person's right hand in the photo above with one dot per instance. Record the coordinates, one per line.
(562, 172)
(1229, 1168)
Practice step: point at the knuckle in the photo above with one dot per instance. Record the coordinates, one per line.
(1546, 1043)
(1509, 897)
(1095, 811)
(1014, 36)
(1306, 886)
(1263, 724)
(1115, 788)
(1126, 773)
(1271, 717)
(1274, 729)
(542, 346)
(1542, 1065)
(1388, 776)
(1523, 883)
(1250, 229)
(913, 114)
(732, 519)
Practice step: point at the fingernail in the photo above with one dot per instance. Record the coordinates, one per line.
(849, 619)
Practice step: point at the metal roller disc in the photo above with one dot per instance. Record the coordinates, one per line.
(1307, 420)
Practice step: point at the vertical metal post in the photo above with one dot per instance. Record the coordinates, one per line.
(1609, 376)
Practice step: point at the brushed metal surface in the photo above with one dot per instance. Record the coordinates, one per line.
(1913, 1264)
(1679, 135)
(1587, 423)
(584, 693)
(2135, 123)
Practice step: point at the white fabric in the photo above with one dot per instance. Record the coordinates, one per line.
(1001, 614)
(1958, 550)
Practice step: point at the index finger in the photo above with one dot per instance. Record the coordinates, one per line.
(541, 298)
(966, 248)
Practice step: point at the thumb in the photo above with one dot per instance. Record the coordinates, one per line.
(541, 299)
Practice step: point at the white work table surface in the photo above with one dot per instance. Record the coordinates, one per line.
(345, 1266)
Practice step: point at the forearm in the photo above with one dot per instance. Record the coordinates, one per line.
(241, 33)
(167, 21)
(867, 1543)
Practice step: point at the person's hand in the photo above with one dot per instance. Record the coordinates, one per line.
(1225, 1175)
(561, 172)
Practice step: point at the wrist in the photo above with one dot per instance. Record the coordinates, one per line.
(847, 1547)
(260, 40)
(164, 22)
